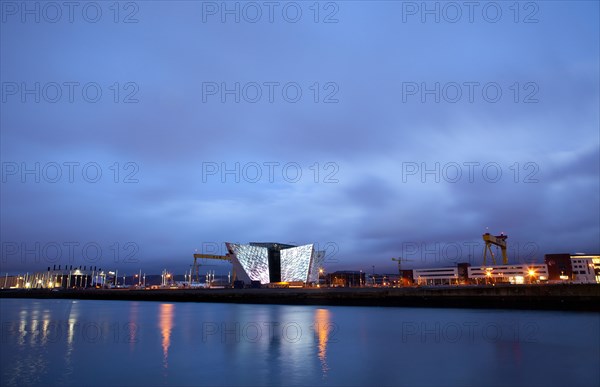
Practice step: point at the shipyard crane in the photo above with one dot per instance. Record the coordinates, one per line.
(196, 266)
(498, 240)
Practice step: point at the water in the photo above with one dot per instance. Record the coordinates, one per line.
(72, 342)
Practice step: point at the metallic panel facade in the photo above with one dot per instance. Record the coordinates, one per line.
(254, 261)
(295, 263)
(318, 259)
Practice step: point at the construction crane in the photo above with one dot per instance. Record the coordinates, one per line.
(400, 260)
(498, 240)
(196, 266)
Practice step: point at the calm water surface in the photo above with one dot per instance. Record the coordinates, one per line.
(114, 343)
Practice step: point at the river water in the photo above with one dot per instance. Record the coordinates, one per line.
(114, 343)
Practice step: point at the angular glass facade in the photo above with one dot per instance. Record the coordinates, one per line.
(250, 262)
(276, 262)
(295, 263)
(317, 261)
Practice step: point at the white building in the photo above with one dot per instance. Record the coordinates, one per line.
(586, 268)
(436, 276)
(514, 274)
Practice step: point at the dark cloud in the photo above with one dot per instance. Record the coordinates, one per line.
(354, 196)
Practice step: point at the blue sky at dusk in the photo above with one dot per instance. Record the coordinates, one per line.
(155, 128)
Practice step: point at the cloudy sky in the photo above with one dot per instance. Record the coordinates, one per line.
(132, 136)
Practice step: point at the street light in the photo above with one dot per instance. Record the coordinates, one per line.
(373, 275)
(320, 276)
(488, 276)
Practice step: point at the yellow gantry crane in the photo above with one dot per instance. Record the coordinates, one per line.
(196, 267)
(498, 240)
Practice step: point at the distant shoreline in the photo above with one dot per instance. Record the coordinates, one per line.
(572, 297)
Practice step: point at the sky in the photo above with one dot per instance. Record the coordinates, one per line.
(136, 133)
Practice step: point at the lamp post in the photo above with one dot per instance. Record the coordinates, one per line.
(373, 275)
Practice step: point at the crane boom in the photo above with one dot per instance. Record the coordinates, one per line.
(400, 260)
(196, 267)
(497, 240)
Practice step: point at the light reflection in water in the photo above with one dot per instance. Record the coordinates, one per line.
(322, 329)
(166, 325)
(72, 313)
(132, 325)
(22, 328)
(34, 331)
(330, 351)
(45, 330)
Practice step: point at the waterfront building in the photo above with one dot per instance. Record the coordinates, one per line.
(514, 274)
(275, 262)
(586, 268)
(578, 268)
(406, 277)
(346, 278)
(559, 267)
(436, 276)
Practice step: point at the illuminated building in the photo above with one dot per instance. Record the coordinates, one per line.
(275, 262)
(559, 267)
(514, 274)
(586, 268)
(577, 268)
(346, 278)
(436, 276)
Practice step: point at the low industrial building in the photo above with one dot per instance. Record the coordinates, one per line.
(586, 269)
(573, 268)
(436, 276)
(406, 278)
(346, 278)
(514, 274)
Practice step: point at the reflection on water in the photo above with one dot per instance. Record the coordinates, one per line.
(64, 342)
(72, 312)
(165, 319)
(322, 329)
(132, 325)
